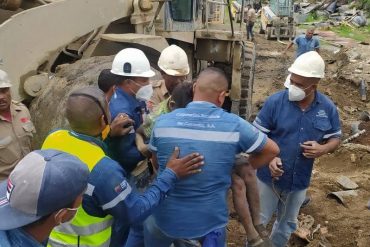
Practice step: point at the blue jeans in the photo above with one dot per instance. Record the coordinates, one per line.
(287, 211)
(154, 237)
(250, 29)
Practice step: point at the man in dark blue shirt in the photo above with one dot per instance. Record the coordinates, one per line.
(129, 98)
(305, 43)
(305, 125)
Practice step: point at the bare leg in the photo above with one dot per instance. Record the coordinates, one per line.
(242, 207)
(248, 174)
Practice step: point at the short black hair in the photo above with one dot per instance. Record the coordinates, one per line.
(107, 80)
(182, 94)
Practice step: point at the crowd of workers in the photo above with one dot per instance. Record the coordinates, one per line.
(150, 163)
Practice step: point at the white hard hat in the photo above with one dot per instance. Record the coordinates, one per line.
(174, 61)
(309, 64)
(131, 62)
(4, 79)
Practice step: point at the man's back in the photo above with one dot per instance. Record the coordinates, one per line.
(198, 204)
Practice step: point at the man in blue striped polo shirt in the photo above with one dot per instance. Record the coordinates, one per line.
(305, 124)
(197, 207)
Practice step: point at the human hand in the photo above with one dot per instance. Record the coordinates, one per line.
(121, 125)
(185, 166)
(312, 149)
(276, 168)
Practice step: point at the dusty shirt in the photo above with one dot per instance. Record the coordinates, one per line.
(15, 138)
(160, 94)
(250, 15)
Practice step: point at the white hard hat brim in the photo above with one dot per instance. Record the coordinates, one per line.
(173, 72)
(303, 73)
(5, 85)
(146, 74)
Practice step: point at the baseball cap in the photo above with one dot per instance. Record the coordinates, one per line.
(43, 182)
(4, 79)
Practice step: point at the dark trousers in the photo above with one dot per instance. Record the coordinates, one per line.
(250, 29)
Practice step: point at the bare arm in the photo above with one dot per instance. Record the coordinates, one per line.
(269, 151)
(288, 47)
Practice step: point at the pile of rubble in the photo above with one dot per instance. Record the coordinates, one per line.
(332, 12)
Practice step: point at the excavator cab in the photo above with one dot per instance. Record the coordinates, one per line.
(210, 37)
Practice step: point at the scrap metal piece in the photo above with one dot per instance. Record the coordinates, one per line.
(340, 195)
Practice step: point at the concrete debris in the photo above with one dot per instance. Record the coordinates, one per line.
(336, 15)
(347, 183)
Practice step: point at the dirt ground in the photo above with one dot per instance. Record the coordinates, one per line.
(340, 225)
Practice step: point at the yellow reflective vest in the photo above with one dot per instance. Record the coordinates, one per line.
(84, 230)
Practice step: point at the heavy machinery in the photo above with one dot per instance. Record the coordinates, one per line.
(277, 20)
(34, 42)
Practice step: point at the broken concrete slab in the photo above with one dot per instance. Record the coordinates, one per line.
(341, 195)
(347, 183)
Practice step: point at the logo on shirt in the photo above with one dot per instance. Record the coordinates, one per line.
(121, 187)
(9, 189)
(25, 120)
(321, 113)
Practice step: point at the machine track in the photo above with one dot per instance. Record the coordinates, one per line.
(247, 79)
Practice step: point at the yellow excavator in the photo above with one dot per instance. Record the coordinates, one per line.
(36, 40)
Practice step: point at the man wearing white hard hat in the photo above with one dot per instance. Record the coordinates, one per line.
(133, 69)
(16, 129)
(305, 124)
(174, 66)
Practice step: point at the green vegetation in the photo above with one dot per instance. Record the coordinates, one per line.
(313, 17)
(360, 34)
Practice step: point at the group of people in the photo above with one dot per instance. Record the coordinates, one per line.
(82, 188)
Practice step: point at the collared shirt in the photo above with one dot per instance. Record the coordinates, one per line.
(199, 201)
(289, 126)
(305, 45)
(124, 148)
(109, 192)
(17, 238)
(15, 138)
(160, 93)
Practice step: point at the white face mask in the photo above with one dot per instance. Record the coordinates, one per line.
(296, 93)
(145, 92)
(287, 81)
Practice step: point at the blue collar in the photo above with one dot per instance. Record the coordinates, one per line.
(124, 94)
(203, 104)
